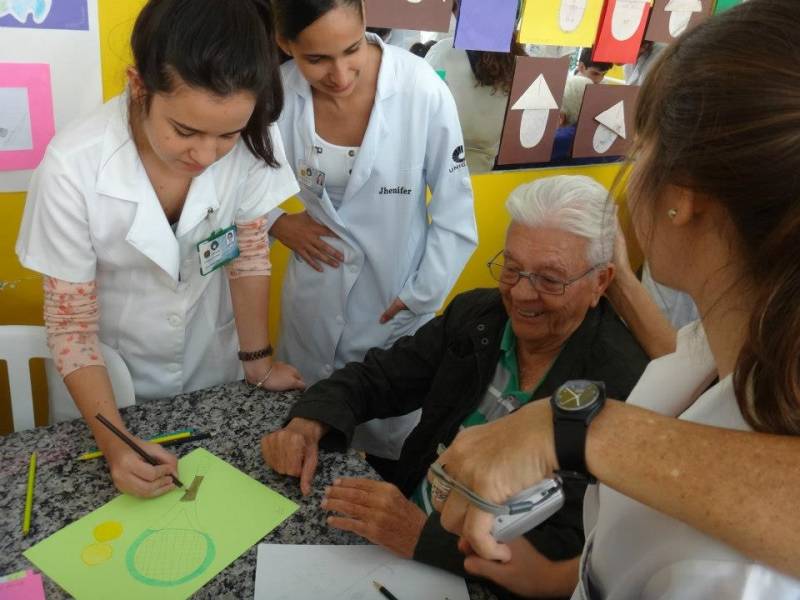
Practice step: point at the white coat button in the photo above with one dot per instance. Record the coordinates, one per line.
(339, 319)
(174, 320)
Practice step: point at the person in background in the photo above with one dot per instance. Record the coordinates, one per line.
(480, 83)
(596, 71)
(568, 120)
(699, 467)
(492, 351)
(187, 156)
(421, 49)
(369, 129)
(636, 73)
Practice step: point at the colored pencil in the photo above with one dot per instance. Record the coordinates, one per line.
(386, 593)
(162, 439)
(26, 520)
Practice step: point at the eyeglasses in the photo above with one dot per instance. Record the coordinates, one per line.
(541, 283)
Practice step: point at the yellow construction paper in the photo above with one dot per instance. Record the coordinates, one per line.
(560, 22)
(168, 547)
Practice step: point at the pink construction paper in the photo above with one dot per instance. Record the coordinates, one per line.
(29, 587)
(36, 78)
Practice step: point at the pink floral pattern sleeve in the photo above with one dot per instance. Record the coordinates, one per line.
(71, 317)
(253, 257)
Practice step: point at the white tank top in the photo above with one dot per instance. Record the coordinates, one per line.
(337, 164)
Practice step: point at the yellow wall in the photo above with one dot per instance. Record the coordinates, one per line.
(20, 290)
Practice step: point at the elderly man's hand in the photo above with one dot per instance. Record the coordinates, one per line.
(293, 450)
(496, 461)
(528, 574)
(377, 511)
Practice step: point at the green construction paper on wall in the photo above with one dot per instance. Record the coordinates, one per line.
(167, 547)
(723, 5)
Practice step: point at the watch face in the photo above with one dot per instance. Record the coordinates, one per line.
(577, 395)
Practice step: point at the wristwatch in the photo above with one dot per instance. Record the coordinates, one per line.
(575, 404)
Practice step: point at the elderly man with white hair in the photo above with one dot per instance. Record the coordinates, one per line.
(490, 352)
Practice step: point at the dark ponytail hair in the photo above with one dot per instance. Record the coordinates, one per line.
(293, 16)
(223, 46)
(720, 114)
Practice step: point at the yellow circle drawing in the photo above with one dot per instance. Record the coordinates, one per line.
(110, 530)
(94, 554)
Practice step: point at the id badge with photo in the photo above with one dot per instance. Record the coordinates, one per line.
(310, 179)
(218, 250)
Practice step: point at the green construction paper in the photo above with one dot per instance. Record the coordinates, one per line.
(723, 5)
(167, 548)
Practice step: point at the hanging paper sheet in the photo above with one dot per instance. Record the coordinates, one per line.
(44, 14)
(723, 5)
(671, 18)
(26, 114)
(424, 15)
(560, 22)
(621, 32)
(487, 26)
(167, 547)
(532, 115)
(605, 125)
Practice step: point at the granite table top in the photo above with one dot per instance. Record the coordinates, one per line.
(236, 415)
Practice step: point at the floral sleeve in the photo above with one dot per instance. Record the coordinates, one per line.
(253, 257)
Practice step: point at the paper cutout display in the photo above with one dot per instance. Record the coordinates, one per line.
(26, 115)
(605, 125)
(487, 26)
(347, 573)
(25, 585)
(621, 32)
(532, 116)
(424, 15)
(167, 547)
(671, 18)
(723, 5)
(45, 14)
(560, 22)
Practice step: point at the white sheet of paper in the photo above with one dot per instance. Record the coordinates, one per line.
(626, 18)
(74, 59)
(571, 14)
(679, 21)
(684, 5)
(297, 572)
(614, 119)
(15, 120)
(532, 127)
(603, 139)
(537, 96)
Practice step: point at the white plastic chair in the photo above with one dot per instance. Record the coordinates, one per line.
(19, 344)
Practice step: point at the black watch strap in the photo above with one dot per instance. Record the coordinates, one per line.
(570, 441)
(256, 354)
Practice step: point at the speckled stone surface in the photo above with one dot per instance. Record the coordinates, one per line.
(236, 415)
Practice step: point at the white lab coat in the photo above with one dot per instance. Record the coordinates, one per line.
(92, 213)
(634, 551)
(390, 248)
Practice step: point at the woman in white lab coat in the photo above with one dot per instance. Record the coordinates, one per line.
(697, 472)
(134, 209)
(368, 128)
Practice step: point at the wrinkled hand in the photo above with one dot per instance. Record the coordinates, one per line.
(390, 312)
(132, 475)
(528, 573)
(283, 376)
(302, 234)
(496, 460)
(622, 260)
(377, 511)
(293, 450)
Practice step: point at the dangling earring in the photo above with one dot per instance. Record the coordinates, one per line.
(672, 213)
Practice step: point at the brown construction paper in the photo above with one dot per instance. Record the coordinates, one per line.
(424, 15)
(658, 28)
(596, 100)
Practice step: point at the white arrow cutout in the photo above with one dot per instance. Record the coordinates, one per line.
(682, 11)
(611, 126)
(626, 18)
(536, 104)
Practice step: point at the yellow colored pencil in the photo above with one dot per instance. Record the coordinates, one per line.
(156, 440)
(26, 521)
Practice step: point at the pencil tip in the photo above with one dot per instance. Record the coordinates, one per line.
(377, 585)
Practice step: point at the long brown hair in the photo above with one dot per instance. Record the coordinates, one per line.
(720, 114)
(495, 69)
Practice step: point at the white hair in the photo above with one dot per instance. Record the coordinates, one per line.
(573, 203)
(573, 97)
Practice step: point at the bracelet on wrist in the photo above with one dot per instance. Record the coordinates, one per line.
(256, 354)
(263, 380)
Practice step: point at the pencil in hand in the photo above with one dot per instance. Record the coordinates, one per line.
(147, 458)
(384, 592)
